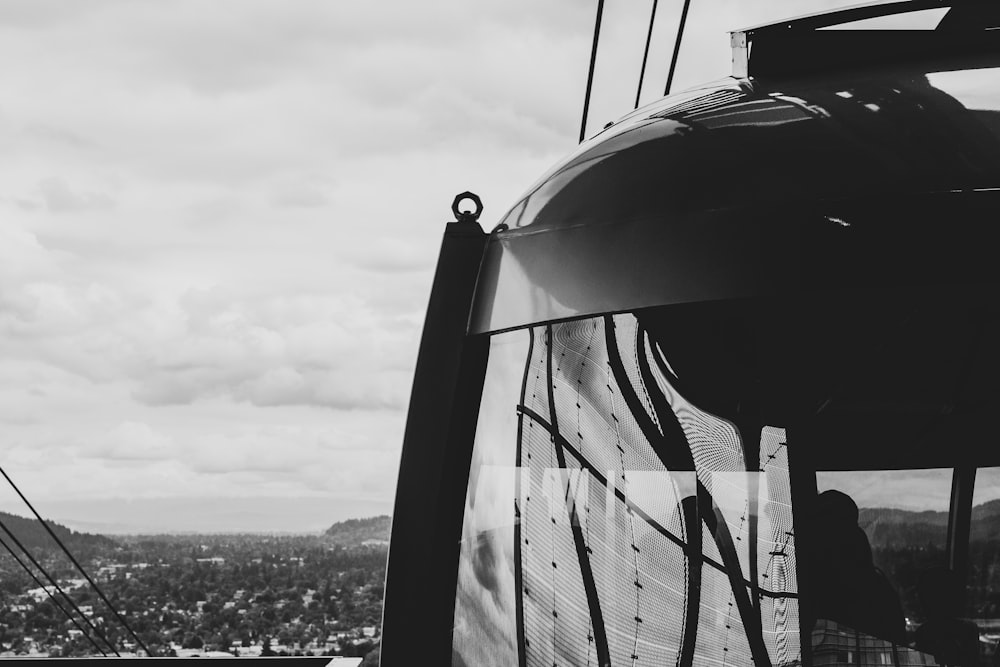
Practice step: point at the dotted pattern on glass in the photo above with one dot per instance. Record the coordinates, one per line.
(620, 559)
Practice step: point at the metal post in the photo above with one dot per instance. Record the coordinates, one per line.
(421, 574)
(963, 482)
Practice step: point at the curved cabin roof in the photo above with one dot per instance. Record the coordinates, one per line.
(857, 175)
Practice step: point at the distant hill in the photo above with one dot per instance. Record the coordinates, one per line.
(895, 528)
(357, 532)
(33, 535)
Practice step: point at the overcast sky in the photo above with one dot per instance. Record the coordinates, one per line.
(219, 220)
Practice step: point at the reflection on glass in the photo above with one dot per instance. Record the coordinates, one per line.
(973, 88)
(484, 630)
(627, 507)
(611, 521)
(982, 599)
(904, 517)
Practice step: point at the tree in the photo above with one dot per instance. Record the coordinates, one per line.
(372, 658)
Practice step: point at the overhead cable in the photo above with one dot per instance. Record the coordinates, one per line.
(590, 74)
(677, 46)
(55, 601)
(645, 54)
(76, 563)
(55, 584)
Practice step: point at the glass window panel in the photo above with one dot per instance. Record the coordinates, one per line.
(904, 516)
(588, 539)
(485, 604)
(982, 593)
(631, 498)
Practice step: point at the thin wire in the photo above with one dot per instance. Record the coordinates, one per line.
(590, 74)
(76, 563)
(645, 54)
(55, 584)
(68, 615)
(677, 46)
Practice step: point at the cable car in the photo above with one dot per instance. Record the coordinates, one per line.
(722, 388)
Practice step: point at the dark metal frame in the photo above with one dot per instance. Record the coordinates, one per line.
(421, 575)
(799, 46)
(963, 483)
(435, 467)
(860, 13)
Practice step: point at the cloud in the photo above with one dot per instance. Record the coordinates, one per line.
(136, 460)
(58, 136)
(392, 255)
(287, 386)
(301, 198)
(246, 344)
(267, 350)
(903, 489)
(131, 441)
(60, 198)
(220, 220)
(23, 257)
(27, 205)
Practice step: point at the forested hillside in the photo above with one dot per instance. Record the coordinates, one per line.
(356, 532)
(906, 544)
(32, 534)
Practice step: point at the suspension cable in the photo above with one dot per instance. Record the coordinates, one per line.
(76, 563)
(55, 601)
(590, 74)
(56, 585)
(677, 46)
(645, 54)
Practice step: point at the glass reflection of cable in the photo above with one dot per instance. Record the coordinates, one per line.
(732, 600)
(526, 562)
(79, 567)
(55, 585)
(24, 566)
(711, 515)
(551, 451)
(580, 477)
(779, 610)
(518, 515)
(788, 534)
(631, 526)
(586, 572)
(674, 440)
(638, 511)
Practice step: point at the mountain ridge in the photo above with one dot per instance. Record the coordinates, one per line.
(32, 534)
(894, 527)
(369, 531)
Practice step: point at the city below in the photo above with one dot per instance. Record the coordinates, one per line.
(186, 595)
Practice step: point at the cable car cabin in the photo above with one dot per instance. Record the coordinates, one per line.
(723, 387)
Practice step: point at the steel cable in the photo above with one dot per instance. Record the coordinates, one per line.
(52, 597)
(590, 74)
(677, 47)
(76, 563)
(55, 584)
(645, 54)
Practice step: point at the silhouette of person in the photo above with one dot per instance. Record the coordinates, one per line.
(847, 586)
(951, 640)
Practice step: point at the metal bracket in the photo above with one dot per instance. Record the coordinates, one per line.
(741, 54)
(467, 216)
